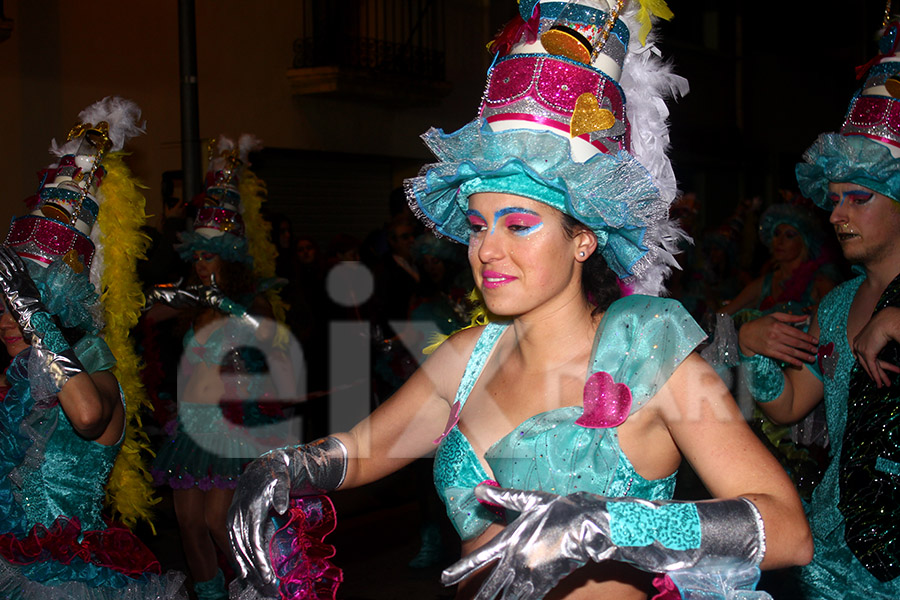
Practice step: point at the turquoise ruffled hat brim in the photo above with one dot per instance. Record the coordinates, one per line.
(230, 247)
(847, 159)
(614, 195)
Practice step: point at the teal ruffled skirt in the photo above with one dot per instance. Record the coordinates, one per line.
(206, 450)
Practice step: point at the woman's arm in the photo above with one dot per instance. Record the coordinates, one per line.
(711, 434)
(775, 337)
(399, 431)
(93, 406)
(404, 428)
(748, 297)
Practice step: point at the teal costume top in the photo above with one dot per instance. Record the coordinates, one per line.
(835, 573)
(54, 541)
(640, 342)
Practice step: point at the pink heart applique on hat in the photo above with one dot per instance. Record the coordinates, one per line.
(606, 403)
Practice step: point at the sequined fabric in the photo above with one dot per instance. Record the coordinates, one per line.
(209, 444)
(870, 466)
(640, 342)
(205, 451)
(546, 89)
(764, 377)
(834, 573)
(57, 544)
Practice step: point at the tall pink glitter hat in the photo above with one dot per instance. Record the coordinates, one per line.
(558, 69)
(573, 115)
(221, 208)
(874, 111)
(219, 224)
(65, 207)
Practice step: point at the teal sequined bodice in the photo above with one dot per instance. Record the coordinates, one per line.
(62, 474)
(640, 342)
(70, 479)
(835, 573)
(832, 317)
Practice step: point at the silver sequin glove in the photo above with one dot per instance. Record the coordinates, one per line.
(555, 535)
(172, 294)
(38, 327)
(266, 485)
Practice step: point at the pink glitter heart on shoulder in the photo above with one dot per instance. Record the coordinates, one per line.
(606, 403)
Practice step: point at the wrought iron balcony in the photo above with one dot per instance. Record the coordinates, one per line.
(391, 50)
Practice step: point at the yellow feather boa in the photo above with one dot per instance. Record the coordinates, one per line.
(129, 491)
(259, 243)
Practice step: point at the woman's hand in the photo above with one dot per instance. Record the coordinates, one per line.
(554, 535)
(172, 294)
(882, 328)
(777, 336)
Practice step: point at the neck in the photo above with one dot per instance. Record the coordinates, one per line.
(881, 273)
(556, 335)
(789, 267)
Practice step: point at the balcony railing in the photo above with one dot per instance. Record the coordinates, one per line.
(374, 41)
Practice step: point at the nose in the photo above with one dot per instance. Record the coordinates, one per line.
(7, 321)
(838, 214)
(490, 247)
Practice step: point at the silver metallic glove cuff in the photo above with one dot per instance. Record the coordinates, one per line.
(318, 467)
(62, 367)
(731, 529)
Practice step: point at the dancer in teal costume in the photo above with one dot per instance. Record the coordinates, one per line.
(584, 401)
(850, 352)
(63, 412)
(229, 348)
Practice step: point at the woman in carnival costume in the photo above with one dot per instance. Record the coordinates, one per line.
(229, 340)
(802, 271)
(69, 416)
(560, 424)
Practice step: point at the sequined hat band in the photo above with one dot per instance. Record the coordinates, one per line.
(556, 92)
(875, 117)
(215, 220)
(45, 240)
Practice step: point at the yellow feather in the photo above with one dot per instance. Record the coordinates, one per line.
(649, 9)
(129, 492)
(260, 246)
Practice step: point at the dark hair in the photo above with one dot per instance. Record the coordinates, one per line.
(599, 284)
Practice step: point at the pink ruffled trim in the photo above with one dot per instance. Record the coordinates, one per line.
(666, 587)
(298, 552)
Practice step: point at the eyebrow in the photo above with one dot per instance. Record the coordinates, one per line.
(513, 209)
(474, 213)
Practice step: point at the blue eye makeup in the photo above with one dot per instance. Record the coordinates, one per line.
(520, 221)
(854, 196)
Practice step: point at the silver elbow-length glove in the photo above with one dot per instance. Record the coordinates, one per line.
(267, 485)
(172, 294)
(38, 327)
(554, 535)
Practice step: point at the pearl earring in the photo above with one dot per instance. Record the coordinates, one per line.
(582, 253)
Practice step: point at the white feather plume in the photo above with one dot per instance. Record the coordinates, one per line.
(122, 115)
(648, 81)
